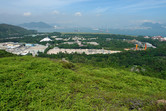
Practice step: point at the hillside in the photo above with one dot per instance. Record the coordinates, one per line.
(7, 30)
(29, 83)
(5, 54)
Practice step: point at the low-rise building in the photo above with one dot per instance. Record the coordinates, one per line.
(92, 43)
(29, 45)
(150, 45)
(45, 39)
(58, 38)
(57, 50)
(69, 43)
(53, 37)
(146, 37)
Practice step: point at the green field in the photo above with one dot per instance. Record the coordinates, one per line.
(41, 84)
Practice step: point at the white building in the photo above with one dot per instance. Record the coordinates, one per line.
(45, 39)
(80, 51)
(53, 36)
(146, 37)
(150, 45)
(69, 42)
(58, 38)
(92, 43)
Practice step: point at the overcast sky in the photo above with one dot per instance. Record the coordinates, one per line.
(93, 13)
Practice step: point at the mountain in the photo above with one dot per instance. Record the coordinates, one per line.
(36, 25)
(153, 25)
(7, 30)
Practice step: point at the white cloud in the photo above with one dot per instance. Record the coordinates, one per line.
(78, 14)
(27, 14)
(56, 12)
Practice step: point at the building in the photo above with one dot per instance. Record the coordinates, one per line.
(58, 38)
(157, 37)
(69, 43)
(53, 37)
(57, 50)
(29, 45)
(150, 45)
(45, 40)
(92, 43)
(146, 37)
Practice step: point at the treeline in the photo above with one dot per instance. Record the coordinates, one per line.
(26, 39)
(36, 39)
(114, 36)
(150, 63)
(112, 41)
(3, 53)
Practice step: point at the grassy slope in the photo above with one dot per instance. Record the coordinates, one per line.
(28, 83)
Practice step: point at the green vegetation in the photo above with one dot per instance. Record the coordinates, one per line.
(5, 54)
(150, 63)
(116, 42)
(28, 83)
(26, 39)
(31, 39)
(13, 31)
(131, 80)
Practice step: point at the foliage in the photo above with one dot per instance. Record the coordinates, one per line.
(152, 62)
(116, 42)
(5, 54)
(26, 39)
(28, 83)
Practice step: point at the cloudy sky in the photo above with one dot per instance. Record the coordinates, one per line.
(91, 13)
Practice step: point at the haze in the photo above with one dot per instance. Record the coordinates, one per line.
(86, 13)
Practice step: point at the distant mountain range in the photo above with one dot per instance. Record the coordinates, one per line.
(154, 25)
(36, 25)
(147, 28)
(7, 30)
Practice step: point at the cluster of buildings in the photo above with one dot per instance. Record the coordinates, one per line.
(74, 40)
(140, 45)
(22, 48)
(160, 38)
(25, 48)
(57, 50)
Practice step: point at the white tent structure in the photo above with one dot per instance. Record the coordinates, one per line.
(45, 39)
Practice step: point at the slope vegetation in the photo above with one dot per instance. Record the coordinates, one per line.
(28, 83)
(11, 30)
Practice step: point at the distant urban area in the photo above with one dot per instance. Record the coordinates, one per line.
(72, 43)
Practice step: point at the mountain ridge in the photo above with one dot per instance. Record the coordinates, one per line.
(7, 30)
(35, 25)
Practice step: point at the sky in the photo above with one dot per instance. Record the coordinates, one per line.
(85, 13)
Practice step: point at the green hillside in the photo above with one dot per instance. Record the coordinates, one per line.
(11, 30)
(36, 84)
(3, 53)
